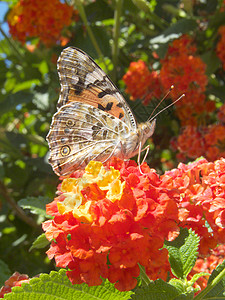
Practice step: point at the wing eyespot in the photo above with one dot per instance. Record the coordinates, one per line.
(65, 150)
(70, 123)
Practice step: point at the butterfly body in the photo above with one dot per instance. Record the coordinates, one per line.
(93, 121)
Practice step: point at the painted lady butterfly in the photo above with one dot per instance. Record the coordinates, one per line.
(93, 121)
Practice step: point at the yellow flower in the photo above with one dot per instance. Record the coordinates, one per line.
(82, 213)
(79, 205)
(115, 191)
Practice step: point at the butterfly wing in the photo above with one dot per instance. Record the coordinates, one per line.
(82, 80)
(81, 133)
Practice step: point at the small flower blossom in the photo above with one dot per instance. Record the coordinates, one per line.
(15, 280)
(33, 18)
(183, 68)
(201, 199)
(106, 235)
(111, 213)
(207, 141)
(141, 83)
(220, 48)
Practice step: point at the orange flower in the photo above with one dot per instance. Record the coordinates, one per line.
(15, 280)
(182, 45)
(185, 72)
(33, 18)
(202, 198)
(110, 213)
(220, 48)
(141, 83)
(191, 142)
(127, 226)
(221, 113)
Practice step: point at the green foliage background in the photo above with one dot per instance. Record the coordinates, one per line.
(30, 88)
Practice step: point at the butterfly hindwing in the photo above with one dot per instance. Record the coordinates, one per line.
(80, 133)
(82, 80)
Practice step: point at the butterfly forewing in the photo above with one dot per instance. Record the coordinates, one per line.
(82, 80)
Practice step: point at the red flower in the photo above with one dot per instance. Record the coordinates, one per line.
(141, 83)
(33, 18)
(112, 214)
(15, 280)
(220, 48)
(202, 198)
(98, 232)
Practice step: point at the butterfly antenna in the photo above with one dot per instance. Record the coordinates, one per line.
(178, 99)
(161, 102)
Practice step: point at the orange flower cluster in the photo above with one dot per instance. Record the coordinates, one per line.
(200, 199)
(207, 141)
(15, 280)
(220, 48)
(186, 71)
(182, 68)
(38, 18)
(141, 83)
(107, 220)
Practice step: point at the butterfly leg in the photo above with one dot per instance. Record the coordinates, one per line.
(111, 154)
(139, 156)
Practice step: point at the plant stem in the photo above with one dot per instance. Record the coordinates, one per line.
(143, 275)
(211, 285)
(11, 44)
(116, 30)
(20, 213)
(82, 13)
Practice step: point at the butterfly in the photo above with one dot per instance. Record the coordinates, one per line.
(93, 120)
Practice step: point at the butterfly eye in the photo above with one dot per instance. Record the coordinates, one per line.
(65, 150)
(70, 123)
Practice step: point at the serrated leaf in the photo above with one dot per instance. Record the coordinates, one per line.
(40, 242)
(57, 286)
(178, 284)
(158, 289)
(186, 290)
(37, 205)
(183, 252)
(218, 291)
(197, 276)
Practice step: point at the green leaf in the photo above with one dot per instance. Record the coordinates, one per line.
(40, 242)
(161, 41)
(212, 62)
(197, 276)
(183, 252)
(158, 289)
(184, 287)
(12, 100)
(2, 171)
(178, 284)
(5, 273)
(217, 19)
(57, 286)
(218, 291)
(37, 205)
